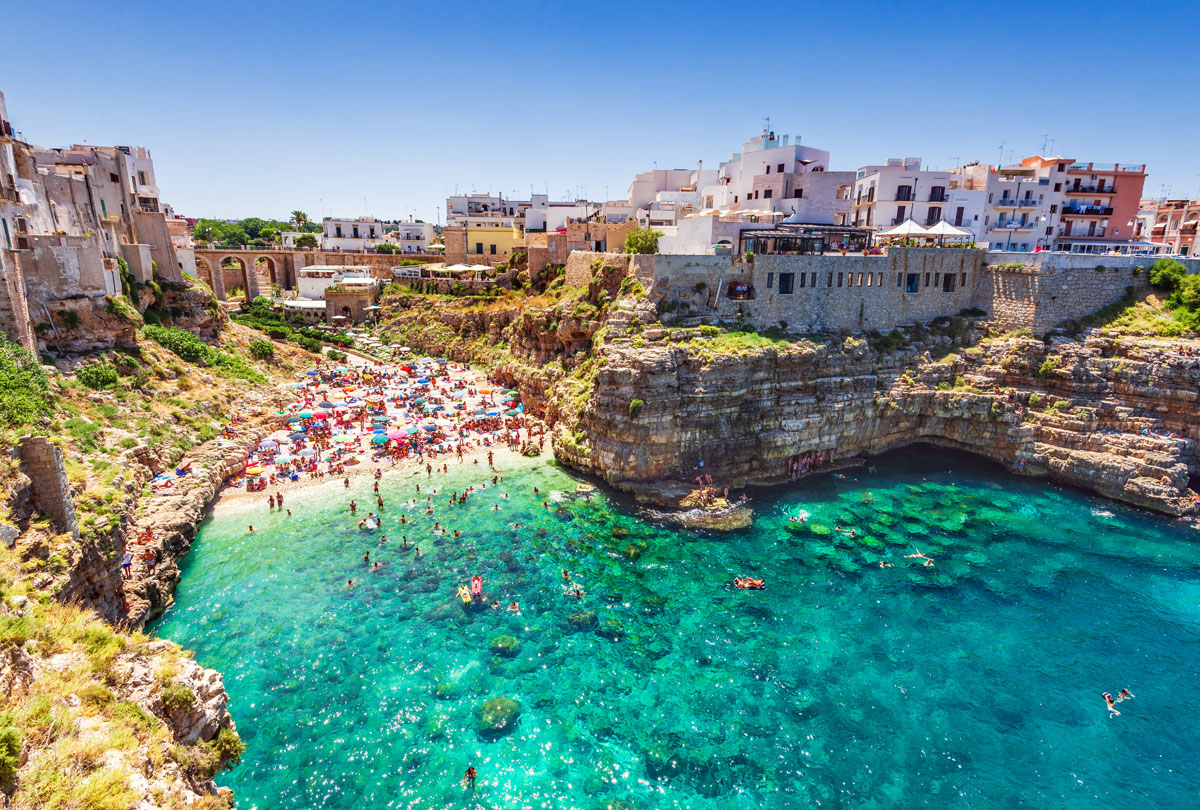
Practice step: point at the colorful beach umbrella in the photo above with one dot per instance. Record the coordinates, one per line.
(305, 414)
(379, 438)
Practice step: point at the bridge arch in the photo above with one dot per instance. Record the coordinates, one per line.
(238, 274)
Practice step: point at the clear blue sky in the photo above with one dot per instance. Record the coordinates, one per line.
(264, 107)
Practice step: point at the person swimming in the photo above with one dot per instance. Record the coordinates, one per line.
(748, 584)
(1124, 694)
(1112, 708)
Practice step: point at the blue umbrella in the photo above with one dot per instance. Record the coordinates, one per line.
(379, 438)
(431, 428)
(493, 413)
(299, 434)
(312, 373)
(379, 430)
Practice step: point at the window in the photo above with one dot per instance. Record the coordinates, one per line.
(113, 178)
(840, 278)
(900, 210)
(372, 232)
(870, 279)
(948, 282)
(1049, 230)
(927, 279)
(355, 231)
(735, 198)
(1054, 209)
(479, 248)
(829, 281)
(879, 282)
(770, 280)
(767, 194)
(963, 280)
(899, 279)
(768, 170)
(780, 168)
(912, 283)
(813, 283)
(904, 193)
(1058, 186)
(493, 249)
(860, 275)
(937, 277)
(142, 178)
(787, 282)
(798, 193)
(803, 277)
(339, 231)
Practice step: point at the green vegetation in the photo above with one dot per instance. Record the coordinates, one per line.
(262, 349)
(252, 231)
(25, 395)
(635, 405)
(192, 349)
(258, 314)
(642, 240)
(306, 241)
(97, 376)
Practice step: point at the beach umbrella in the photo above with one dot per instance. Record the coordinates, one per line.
(291, 420)
(395, 434)
(326, 404)
(255, 470)
(301, 385)
(380, 419)
(493, 413)
(282, 458)
(307, 452)
(379, 438)
(419, 401)
(312, 372)
(479, 412)
(430, 428)
(268, 443)
(299, 434)
(305, 414)
(342, 438)
(511, 393)
(410, 430)
(511, 412)
(341, 369)
(320, 414)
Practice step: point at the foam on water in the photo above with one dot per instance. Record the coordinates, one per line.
(972, 683)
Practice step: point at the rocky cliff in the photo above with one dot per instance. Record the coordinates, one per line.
(1097, 413)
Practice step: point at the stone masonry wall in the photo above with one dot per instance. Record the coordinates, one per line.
(43, 463)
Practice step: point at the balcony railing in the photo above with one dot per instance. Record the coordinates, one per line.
(1014, 225)
(938, 198)
(1097, 234)
(1091, 190)
(1013, 202)
(1086, 211)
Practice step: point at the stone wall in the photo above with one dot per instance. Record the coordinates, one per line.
(15, 322)
(579, 265)
(42, 462)
(828, 293)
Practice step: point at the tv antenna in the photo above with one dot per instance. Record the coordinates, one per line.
(1001, 150)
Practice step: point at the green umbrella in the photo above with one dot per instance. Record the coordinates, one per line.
(305, 414)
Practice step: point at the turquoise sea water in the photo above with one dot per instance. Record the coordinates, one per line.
(974, 683)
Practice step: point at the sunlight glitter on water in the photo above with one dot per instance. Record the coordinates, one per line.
(974, 682)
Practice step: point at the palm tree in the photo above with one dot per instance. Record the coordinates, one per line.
(300, 218)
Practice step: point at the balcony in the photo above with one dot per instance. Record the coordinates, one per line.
(1091, 190)
(1015, 225)
(1086, 211)
(938, 197)
(1096, 234)
(1013, 202)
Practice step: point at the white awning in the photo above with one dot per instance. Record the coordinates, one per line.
(905, 228)
(944, 228)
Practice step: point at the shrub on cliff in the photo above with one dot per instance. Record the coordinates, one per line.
(24, 388)
(10, 749)
(178, 698)
(262, 349)
(180, 341)
(1165, 274)
(97, 376)
(635, 406)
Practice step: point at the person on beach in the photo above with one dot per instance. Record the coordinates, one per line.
(127, 564)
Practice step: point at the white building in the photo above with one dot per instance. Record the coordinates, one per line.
(411, 236)
(769, 174)
(1024, 204)
(312, 281)
(900, 190)
(362, 233)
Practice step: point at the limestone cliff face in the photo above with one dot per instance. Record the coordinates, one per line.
(1075, 412)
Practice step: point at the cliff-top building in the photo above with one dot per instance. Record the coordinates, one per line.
(67, 216)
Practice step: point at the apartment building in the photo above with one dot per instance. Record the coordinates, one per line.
(358, 234)
(771, 174)
(1100, 205)
(899, 190)
(411, 236)
(1173, 223)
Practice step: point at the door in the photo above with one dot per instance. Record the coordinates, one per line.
(958, 217)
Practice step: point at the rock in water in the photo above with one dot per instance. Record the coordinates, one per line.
(505, 646)
(496, 717)
(582, 620)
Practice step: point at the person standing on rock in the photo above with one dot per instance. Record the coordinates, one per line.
(127, 564)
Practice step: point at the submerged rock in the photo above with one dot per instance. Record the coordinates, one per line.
(582, 620)
(497, 716)
(504, 646)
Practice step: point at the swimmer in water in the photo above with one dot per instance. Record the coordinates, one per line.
(919, 556)
(350, 584)
(513, 607)
(251, 530)
(1124, 694)
(1112, 709)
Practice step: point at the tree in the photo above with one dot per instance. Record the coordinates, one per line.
(300, 219)
(253, 227)
(642, 240)
(306, 241)
(262, 349)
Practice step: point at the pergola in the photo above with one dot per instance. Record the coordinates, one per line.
(799, 238)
